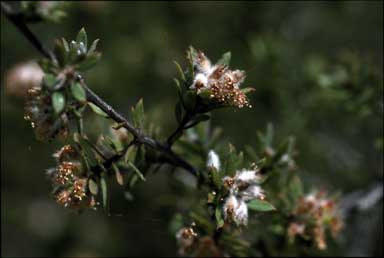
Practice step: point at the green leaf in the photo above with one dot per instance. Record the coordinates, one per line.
(65, 44)
(128, 196)
(73, 46)
(137, 171)
(93, 46)
(215, 178)
(259, 205)
(82, 37)
(97, 110)
(119, 176)
(78, 92)
(60, 53)
(93, 187)
(46, 65)
(130, 155)
(225, 59)
(58, 102)
(296, 187)
(138, 114)
(50, 81)
(269, 134)
(180, 70)
(133, 180)
(219, 218)
(230, 162)
(104, 191)
(176, 223)
(90, 61)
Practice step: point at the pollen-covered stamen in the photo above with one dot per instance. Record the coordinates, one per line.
(185, 237)
(65, 152)
(63, 198)
(228, 182)
(220, 80)
(78, 191)
(64, 173)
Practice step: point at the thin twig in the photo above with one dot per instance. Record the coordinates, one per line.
(18, 20)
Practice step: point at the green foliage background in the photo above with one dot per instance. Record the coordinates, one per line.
(287, 48)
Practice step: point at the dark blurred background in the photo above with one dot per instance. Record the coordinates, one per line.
(277, 43)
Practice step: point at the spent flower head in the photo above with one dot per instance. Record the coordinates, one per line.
(315, 213)
(242, 187)
(218, 82)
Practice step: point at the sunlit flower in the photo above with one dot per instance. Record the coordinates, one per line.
(64, 173)
(63, 198)
(247, 176)
(252, 192)
(79, 187)
(222, 83)
(185, 238)
(213, 160)
(235, 210)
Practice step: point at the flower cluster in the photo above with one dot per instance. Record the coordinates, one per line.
(69, 181)
(221, 83)
(242, 187)
(186, 237)
(314, 214)
(38, 111)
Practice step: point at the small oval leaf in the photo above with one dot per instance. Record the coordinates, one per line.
(82, 37)
(225, 59)
(104, 191)
(78, 92)
(58, 102)
(260, 205)
(90, 61)
(137, 171)
(119, 176)
(93, 46)
(50, 80)
(97, 110)
(93, 187)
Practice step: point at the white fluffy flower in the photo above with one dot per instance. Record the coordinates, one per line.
(236, 210)
(252, 192)
(213, 160)
(229, 207)
(247, 176)
(241, 213)
(202, 63)
(200, 82)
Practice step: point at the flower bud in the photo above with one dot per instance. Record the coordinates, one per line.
(213, 160)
